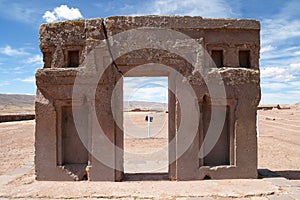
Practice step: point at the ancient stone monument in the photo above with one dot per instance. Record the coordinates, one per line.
(212, 67)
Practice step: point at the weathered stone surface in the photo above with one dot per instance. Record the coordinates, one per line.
(84, 60)
(178, 22)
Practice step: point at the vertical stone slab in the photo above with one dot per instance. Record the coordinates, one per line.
(172, 128)
(46, 167)
(103, 163)
(103, 154)
(245, 128)
(187, 141)
(45, 138)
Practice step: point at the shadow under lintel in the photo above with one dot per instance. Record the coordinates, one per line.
(146, 176)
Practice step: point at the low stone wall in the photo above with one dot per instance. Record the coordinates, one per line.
(20, 117)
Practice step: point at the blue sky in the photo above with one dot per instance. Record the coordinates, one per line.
(280, 35)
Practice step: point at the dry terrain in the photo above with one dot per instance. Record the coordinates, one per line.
(279, 152)
(16, 104)
(279, 142)
(146, 143)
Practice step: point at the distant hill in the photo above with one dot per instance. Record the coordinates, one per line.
(143, 105)
(15, 103)
(16, 99)
(297, 105)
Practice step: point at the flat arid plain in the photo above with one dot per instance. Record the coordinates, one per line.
(278, 163)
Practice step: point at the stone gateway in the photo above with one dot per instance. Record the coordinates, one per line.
(212, 67)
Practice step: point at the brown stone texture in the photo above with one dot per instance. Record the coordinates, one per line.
(83, 48)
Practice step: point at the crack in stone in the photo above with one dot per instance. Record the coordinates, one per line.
(109, 49)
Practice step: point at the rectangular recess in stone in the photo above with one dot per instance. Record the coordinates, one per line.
(73, 58)
(73, 150)
(220, 153)
(217, 57)
(244, 58)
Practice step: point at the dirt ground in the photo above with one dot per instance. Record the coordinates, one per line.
(278, 151)
(279, 142)
(8, 110)
(146, 143)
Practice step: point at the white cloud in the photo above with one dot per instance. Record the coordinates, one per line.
(284, 52)
(281, 84)
(18, 70)
(4, 83)
(9, 51)
(278, 30)
(295, 67)
(280, 76)
(148, 94)
(290, 9)
(267, 49)
(30, 79)
(282, 26)
(61, 13)
(151, 89)
(35, 60)
(19, 11)
(274, 86)
(280, 98)
(277, 74)
(212, 8)
(49, 16)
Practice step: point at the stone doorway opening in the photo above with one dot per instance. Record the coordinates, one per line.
(146, 128)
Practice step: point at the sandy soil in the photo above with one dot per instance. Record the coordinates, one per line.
(146, 143)
(16, 145)
(278, 142)
(8, 109)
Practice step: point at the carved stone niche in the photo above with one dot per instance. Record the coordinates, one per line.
(219, 54)
(72, 56)
(72, 149)
(223, 152)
